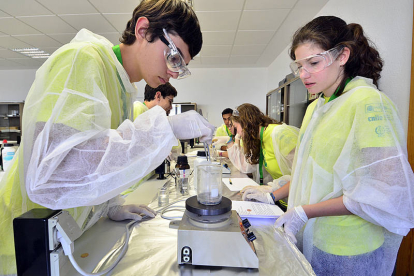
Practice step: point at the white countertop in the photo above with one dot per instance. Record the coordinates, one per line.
(151, 237)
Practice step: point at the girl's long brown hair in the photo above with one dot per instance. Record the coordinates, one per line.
(250, 118)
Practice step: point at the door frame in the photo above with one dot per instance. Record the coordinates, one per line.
(405, 258)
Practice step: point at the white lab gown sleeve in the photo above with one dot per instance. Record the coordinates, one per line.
(78, 148)
(284, 139)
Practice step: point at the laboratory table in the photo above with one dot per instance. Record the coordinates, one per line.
(152, 248)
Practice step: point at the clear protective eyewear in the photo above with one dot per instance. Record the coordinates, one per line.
(236, 113)
(173, 58)
(315, 63)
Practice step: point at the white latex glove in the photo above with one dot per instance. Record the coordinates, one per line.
(271, 186)
(220, 140)
(257, 195)
(135, 212)
(190, 124)
(262, 188)
(279, 182)
(293, 220)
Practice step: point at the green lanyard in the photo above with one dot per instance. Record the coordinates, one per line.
(261, 158)
(117, 52)
(118, 55)
(334, 96)
(228, 132)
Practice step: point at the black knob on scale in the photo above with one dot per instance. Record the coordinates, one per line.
(251, 236)
(246, 223)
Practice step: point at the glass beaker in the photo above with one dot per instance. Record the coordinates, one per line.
(163, 197)
(213, 152)
(209, 184)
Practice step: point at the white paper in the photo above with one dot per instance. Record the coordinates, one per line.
(238, 183)
(249, 209)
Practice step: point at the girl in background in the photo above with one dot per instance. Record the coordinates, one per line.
(267, 144)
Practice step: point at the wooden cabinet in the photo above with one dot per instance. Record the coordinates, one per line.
(11, 120)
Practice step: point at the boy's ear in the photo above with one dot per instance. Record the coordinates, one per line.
(158, 95)
(141, 28)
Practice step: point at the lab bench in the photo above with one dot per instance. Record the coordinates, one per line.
(152, 248)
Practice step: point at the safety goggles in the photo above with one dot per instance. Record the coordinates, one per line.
(315, 63)
(173, 58)
(236, 113)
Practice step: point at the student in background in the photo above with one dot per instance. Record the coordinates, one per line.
(223, 133)
(162, 96)
(267, 144)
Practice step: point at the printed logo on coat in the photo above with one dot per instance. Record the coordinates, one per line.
(381, 131)
(382, 110)
(376, 107)
(375, 118)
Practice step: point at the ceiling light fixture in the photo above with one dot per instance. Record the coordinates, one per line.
(31, 52)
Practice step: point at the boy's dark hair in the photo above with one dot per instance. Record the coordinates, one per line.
(165, 89)
(227, 111)
(175, 16)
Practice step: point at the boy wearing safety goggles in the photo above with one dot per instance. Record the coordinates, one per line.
(81, 146)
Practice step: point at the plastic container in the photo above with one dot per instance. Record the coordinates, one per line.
(7, 154)
(182, 171)
(209, 184)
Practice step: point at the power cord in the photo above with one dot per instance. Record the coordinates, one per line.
(170, 208)
(68, 248)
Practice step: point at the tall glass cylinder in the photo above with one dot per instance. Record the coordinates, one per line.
(209, 184)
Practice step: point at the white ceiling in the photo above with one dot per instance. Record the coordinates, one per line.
(236, 33)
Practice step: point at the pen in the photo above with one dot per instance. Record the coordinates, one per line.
(231, 183)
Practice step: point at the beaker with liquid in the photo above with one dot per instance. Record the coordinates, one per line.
(209, 184)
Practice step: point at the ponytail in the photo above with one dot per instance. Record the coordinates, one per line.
(364, 59)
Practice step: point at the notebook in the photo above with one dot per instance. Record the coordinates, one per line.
(250, 209)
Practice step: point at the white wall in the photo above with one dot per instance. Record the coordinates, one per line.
(214, 89)
(15, 84)
(389, 25)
